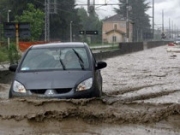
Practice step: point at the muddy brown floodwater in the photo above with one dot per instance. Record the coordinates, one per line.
(137, 100)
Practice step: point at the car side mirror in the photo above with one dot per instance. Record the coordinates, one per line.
(100, 65)
(13, 67)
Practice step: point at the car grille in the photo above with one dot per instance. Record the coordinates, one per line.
(61, 91)
(58, 91)
(38, 91)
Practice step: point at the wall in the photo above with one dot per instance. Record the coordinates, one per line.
(125, 48)
(153, 44)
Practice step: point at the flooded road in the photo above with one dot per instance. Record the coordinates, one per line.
(141, 97)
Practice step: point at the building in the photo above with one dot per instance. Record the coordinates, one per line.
(114, 30)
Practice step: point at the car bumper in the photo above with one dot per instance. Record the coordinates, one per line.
(71, 94)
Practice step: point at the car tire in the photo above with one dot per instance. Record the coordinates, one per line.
(98, 93)
(10, 95)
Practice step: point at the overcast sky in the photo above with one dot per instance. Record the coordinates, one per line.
(171, 11)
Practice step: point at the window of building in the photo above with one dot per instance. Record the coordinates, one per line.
(115, 26)
(114, 38)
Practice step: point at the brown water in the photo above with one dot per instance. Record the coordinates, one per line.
(87, 116)
(141, 97)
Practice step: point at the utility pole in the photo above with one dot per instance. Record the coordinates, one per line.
(71, 31)
(162, 21)
(8, 20)
(169, 28)
(88, 6)
(163, 34)
(47, 20)
(153, 18)
(127, 21)
(50, 8)
(172, 30)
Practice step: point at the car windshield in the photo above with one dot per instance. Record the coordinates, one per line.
(55, 59)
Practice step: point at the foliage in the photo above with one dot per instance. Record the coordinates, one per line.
(35, 18)
(3, 54)
(10, 54)
(59, 23)
(90, 22)
(137, 14)
(13, 54)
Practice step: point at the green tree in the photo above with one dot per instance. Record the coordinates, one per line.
(138, 15)
(17, 7)
(83, 17)
(91, 21)
(59, 23)
(36, 19)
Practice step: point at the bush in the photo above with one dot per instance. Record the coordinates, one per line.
(3, 54)
(13, 54)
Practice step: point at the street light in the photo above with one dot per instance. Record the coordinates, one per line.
(128, 9)
(8, 15)
(71, 31)
(127, 21)
(8, 21)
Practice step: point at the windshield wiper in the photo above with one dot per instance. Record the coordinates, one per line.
(81, 62)
(60, 60)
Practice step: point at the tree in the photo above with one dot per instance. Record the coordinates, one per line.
(17, 7)
(91, 22)
(137, 14)
(36, 19)
(59, 23)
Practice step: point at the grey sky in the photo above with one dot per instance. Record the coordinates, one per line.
(171, 10)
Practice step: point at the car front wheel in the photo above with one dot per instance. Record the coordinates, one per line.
(10, 95)
(98, 92)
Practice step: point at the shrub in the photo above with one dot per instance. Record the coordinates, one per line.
(13, 54)
(3, 54)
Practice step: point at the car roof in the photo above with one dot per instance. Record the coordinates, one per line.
(60, 44)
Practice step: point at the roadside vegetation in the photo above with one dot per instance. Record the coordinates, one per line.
(10, 55)
(3, 54)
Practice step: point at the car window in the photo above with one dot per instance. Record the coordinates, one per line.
(55, 58)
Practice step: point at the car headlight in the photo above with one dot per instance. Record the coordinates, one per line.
(18, 87)
(87, 84)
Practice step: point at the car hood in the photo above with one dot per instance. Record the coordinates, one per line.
(52, 79)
